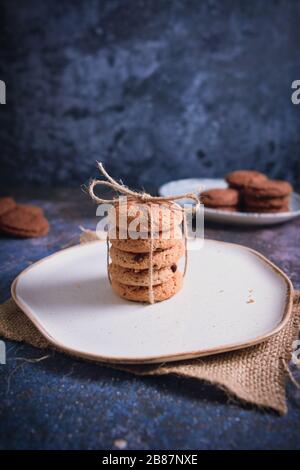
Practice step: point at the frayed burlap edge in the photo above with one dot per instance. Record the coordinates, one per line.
(255, 375)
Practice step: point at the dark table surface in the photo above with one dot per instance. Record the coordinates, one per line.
(66, 403)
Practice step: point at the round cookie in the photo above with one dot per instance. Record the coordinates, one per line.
(268, 189)
(271, 210)
(242, 178)
(161, 241)
(132, 277)
(6, 204)
(266, 203)
(24, 222)
(220, 197)
(225, 209)
(135, 216)
(33, 209)
(161, 259)
(141, 294)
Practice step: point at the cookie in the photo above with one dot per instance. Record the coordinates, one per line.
(242, 178)
(133, 277)
(225, 209)
(161, 241)
(6, 205)
(24, 221)
(271, 210)
(220, 197)
(266, 203)
(33, 209)
(268, 189)
(161, 258)
(135, 216)
(141, 294)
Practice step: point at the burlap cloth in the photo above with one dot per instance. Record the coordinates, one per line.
(255, 375)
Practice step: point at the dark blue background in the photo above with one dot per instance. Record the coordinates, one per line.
(156, 89)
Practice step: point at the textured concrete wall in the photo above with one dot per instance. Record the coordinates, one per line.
(157, 89)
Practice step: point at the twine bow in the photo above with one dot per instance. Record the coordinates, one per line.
(144, 198)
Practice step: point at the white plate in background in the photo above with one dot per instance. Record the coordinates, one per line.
(241, 218)
(232, 298)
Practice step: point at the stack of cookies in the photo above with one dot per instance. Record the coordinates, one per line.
(267, 196)
(130, 256)
(20, 220)
(249, 191)
(258, 193)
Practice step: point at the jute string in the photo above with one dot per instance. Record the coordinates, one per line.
(148, 200)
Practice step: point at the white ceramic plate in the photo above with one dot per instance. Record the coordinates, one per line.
(241, 218)
(232, 298)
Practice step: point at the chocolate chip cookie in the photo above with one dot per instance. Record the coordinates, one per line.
(161, 241)
(134, 277)
(141, 294)
(136, 216)
(161, 258)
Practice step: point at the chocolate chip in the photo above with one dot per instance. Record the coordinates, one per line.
(139, 257)
(174, 268)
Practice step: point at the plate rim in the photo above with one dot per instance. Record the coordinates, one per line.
(257, 215)
(164, 358)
